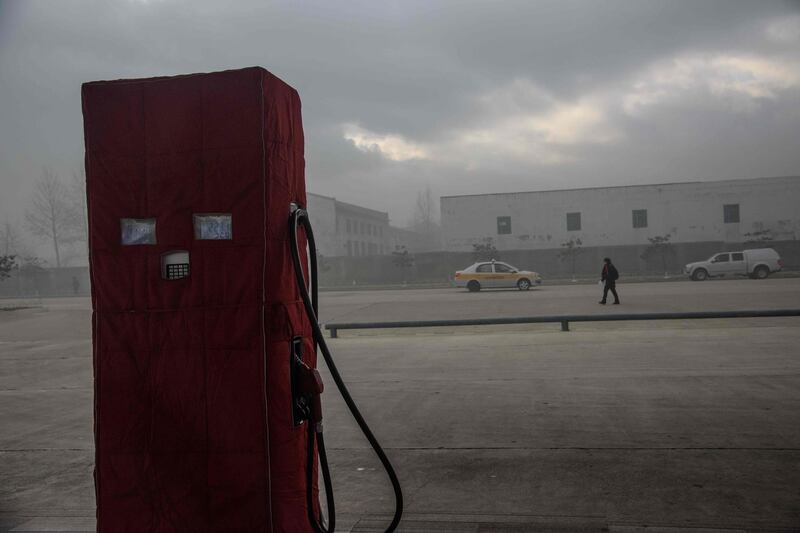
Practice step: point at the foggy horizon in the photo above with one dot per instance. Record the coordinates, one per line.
(461, 98)
(540, 272)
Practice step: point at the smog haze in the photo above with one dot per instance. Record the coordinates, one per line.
(461, 97)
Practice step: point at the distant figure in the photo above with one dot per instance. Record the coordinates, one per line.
(76, 285)
(609, 276)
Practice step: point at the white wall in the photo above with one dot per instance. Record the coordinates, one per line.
(322, 214)
(369, 229)
(689, 212)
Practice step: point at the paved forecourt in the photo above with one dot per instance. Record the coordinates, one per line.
(665, 426)
(652, 297)
(609, 427)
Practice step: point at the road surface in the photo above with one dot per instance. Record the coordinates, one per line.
(611, 427)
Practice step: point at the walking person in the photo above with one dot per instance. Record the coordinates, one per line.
(609, 276)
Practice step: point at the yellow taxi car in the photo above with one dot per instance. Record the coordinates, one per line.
(493, 275)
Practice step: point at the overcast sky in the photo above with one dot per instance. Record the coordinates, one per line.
(464, 97)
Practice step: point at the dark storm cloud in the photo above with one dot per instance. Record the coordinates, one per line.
(464, 96)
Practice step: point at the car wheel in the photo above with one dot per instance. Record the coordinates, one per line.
(524, 284)
(473, 286)
(700, 274)
(761, 272)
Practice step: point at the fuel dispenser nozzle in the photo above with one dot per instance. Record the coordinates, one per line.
(309, 384)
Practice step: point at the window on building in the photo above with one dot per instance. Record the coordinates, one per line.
(731, 213)
(363, 229)
(363, 248)
(349, 229)
(503, 225)
(349, 248)
(640, 218)
(573, 221)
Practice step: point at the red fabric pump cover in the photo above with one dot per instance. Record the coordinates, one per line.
(193, 424)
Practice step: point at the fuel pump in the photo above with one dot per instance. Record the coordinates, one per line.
(207, 412)
(308, 385)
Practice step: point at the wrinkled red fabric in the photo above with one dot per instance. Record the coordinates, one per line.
(193, 425)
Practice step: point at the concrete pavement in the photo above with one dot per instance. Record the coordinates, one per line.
(433, 304)
(612, 427)
(598, 428)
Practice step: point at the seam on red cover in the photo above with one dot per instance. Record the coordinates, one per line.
(146, 170)
(264, 296)
(95, 322)
(203, 299)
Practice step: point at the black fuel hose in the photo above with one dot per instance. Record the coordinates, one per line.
(315, 430)
(299, 217)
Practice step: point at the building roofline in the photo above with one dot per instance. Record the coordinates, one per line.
(622, 186)
(308, 193)
(352, 207)
(364, 210)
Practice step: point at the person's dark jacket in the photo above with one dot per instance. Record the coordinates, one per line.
(609, 273)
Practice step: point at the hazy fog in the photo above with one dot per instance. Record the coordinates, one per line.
(465, 97)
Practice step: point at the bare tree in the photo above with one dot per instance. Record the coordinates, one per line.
(7, 264)
(426, 219)
(571, 250)
(485, 250)
(403, 260)
(425, 212)
(660, 248)
(77, 197)
(10, 239)
(51, 215)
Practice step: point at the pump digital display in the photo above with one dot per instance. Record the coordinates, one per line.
(138, 231)
(213, 227)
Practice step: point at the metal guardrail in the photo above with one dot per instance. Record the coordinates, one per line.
(563, 319)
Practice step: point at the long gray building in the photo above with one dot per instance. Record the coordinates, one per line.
(729, 211)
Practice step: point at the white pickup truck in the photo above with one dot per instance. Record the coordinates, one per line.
(757, 264)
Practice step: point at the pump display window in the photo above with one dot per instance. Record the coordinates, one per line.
(213, 227)
(138, 231)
